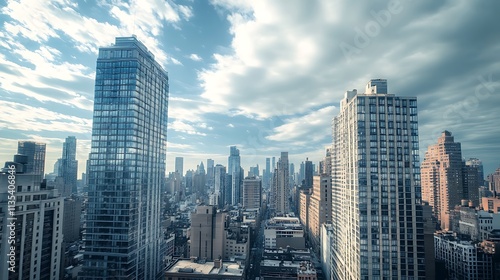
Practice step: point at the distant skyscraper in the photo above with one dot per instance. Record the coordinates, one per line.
(179, 165)
(36, 156)
(308, 173)
(219, 184)
(69, 166)
(234, 169)
(210, 172)
(252, 191)
(124, 238)
(442, 181)
(477, 163)
(281, 185)
(494, 181)
(267, 175)
(376, 187)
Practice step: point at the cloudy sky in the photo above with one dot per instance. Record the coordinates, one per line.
(266, 76)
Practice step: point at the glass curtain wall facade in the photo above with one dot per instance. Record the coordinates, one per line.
(123, 238)
(376, 194)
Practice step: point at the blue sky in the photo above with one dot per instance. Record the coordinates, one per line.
(266, 76)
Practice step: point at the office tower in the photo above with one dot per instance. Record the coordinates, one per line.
(36, 156)
(308, 173)
(252, 192)
(376, 198)
(267, 174)
(320, 207)
(179, 165)
(302, 174)
(471, 181)
(442, 182)
(124, 239)
(200, 180)
(207, 233)
(227, 191)
(69, 166)
(234, 169)
(292, 174)
(219, 184)
(210, 173)
(479, 165)
(274, 164)
(281, 186)
(38, 229)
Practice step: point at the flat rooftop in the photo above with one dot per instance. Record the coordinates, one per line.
(185, 266)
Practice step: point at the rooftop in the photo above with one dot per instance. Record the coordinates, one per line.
(188, 266)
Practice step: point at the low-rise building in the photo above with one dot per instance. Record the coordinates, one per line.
(281, 232)
(190, 269)
(463, 259)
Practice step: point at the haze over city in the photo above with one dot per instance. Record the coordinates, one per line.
(263, 76)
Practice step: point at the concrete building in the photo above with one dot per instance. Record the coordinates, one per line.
(207, 233)
(252, 192)
(442, 178)
(127, 165)
(237, 243)
(280, 232)
(325, 256)
(491, 204)
(320, 207)
(281, 186)
(472, 180)
(463, 259)
(494, 181)
(71, 219)
(38, 229)
(376, 187)
(304, 202)
(287, 263)
(188, 269)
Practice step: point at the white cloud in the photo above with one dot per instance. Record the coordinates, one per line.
(18, 116)
(306, 129)
(195, 57)
(184, 127)
(230, 125)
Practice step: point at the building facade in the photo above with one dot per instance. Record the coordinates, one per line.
(68, 169)
(38, 229)
(320, 207)
(207, 233)
(442, 178)
(376, 192)
(281, 185)
(35, 152)
(123, 238)
(252, 192)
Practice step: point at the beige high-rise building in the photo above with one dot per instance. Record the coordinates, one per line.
(442, 181)
(207, 233)
(320, 207)
(281, 185)
(304, 201)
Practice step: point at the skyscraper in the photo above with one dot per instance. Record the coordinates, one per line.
(252, 192)
(179, 165)
(234, 169)
(210, 172)
(442, 178)
(308, 173)
(36, 156)
(123, 237)
(267, 174)
(220, 185)
(281, 186)
(376, 198)
(69, 165)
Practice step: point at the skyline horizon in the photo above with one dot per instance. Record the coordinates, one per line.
(262, 75)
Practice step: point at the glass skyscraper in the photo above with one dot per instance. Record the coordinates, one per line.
(69, 165)
(123, 238)
(377, 224)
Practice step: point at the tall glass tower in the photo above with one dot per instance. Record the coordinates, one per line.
(376, 195)
(123, 238)
(69, 165)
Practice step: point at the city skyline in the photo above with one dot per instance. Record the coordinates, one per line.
(48, 69)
